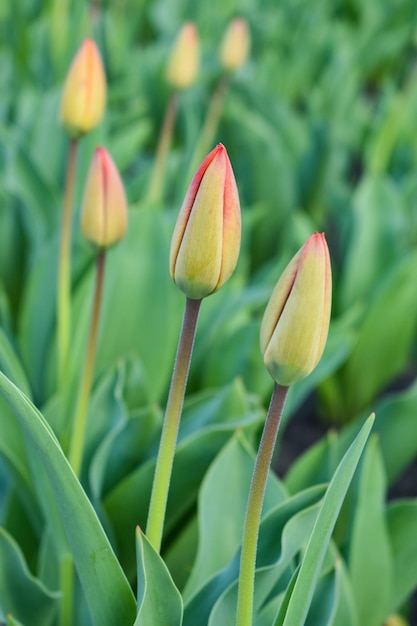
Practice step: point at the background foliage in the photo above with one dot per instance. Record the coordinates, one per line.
(320, 129)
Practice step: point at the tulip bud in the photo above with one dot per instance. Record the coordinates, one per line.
(84, 94)
(184, 59)
(104, 206)
(206, 240)
(296, 320)
(235, 45)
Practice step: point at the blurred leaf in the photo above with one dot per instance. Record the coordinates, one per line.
(395, 424)
(105, 586)
(402, 523)
(16, 582)
(375, 243)
(159, 601)
(316, 548)
(370, 563)
(387, 328)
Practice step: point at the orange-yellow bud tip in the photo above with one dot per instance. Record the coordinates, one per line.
(296, 321)
(104, 206)
(183, 62)
(206, 241)
(235, 46)
(84, 94)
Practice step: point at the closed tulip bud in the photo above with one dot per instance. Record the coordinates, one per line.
(296, 320)
(206, 240)
(84, 94)
(235, 46)
(104, 206)
(184, 59)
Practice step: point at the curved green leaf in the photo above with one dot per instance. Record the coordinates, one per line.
(370, 563)
(16, 582)
(159, 601)
(107, 591)
(302, 593)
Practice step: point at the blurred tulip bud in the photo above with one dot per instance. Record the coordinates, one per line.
(296, 320)
(184, 59)
(104, 206)
(84, 95)
(396, 620)
(206, 240)
(235, 45)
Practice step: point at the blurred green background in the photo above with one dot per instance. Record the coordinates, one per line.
(320, 127)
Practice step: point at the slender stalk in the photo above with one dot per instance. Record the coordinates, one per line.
(171, 423)
(67, 590)
(78, 433)
(64, 268)
(210, 125)
(254, 507)
(157, 178)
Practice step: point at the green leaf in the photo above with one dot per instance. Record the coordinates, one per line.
(221, 510)
(387, 328)
(292, 521)
(402, 524)
(11, 366)
(317, 545)
(159, 601)
(105, 586)
(16, 582)
(370, 564)
(208, 421)
(395, 423)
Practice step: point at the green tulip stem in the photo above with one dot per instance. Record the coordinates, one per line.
(80, 415)
(157, 179)
(67, 588)
(170, 426)
(211, 123)
(64, 269)
(254, 507)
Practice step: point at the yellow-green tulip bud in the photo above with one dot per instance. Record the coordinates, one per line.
(235, 45)
(104, 206)
(296, 320)
(206, 240)
(84, 95)
(184, 58)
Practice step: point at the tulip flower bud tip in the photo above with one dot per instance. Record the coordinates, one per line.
(104, 205)
(296, 321)
(234, 49)
(206, 240)
(84, 94)
(183, 62)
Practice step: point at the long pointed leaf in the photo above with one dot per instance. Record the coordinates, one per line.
(107, 591)
(316, 548)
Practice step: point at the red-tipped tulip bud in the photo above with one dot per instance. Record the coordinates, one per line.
(206, 240)
(184, 59)
(104, 206)
(296, 320)
(84, 95)
(235, 46)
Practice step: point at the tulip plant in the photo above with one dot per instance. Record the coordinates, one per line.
(162, 355)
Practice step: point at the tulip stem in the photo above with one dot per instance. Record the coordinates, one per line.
(80, 415)
(157, 179)
(64, 269)
(67, 589)
(211, 123)
(171, 423)
(254, 507)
